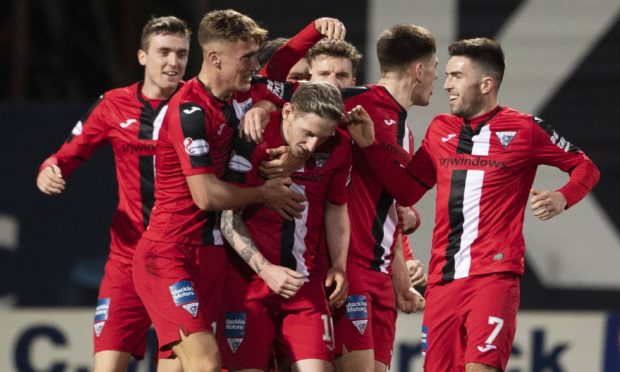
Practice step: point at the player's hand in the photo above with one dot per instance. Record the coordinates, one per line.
(360, 126)
(409, 300)
(278, 196)
(50, 180)
(416, 273)
(407, 219)
(330, 28)
(547, 204)
(281, 280)
(253, 124)
(282, 163)
(337, 279)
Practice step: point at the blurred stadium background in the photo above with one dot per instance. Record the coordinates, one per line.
(563, 64)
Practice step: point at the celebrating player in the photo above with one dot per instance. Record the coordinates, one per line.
(483, 158)
(180, 261)
(276, 297)
(129, 118)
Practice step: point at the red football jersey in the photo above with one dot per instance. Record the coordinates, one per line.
(195, 138)
(299, 244)
(371, 208)
(128, 121)
(484, 169)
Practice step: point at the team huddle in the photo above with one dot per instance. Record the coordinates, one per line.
(264, 205)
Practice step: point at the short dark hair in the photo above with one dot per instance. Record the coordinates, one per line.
(402, 44)
(169, 25)
(486, 53)
(335, 48)
(268, 48)
(229, 25)
(320, 98)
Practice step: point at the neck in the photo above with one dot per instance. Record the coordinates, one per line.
(400, 87)
(152, 91)
(214, 83)
(487, 106)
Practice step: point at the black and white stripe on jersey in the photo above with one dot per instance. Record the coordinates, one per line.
(287, 244)
(147, 131)
(378, 229)
(464, 189)
(353, 91)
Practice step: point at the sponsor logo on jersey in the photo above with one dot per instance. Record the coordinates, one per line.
(357, 311)
(505, 137)
(487, 347)
(276, 87)
(238, 163)
(241, 107)
(234, 329)
(320, 159)
(471, 161)
(192, 109)
(196, 147)
(139, 147)
(183, 295)
(448, 137)
(389, 121)
(127, 123)
(77, 129)
(101, 314)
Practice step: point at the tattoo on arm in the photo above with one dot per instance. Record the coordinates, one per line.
(235, 232)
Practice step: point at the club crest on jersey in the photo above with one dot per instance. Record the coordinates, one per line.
(196, 147)
(234, 329)
(320, 158)
(239, 163)
(241, 107)
(357, 311)
(101, 314)
(183, 294)
(505, 137)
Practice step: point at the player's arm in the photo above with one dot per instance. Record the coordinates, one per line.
(86, 136)
(337, 234)
(407, 298)
(552, 149)
(404, 184)
(296, 48)
(212, 194)
(281, 280)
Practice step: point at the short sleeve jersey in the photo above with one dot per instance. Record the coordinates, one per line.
(371, 207)
(195, 138)
(300, 244)
(125, 119)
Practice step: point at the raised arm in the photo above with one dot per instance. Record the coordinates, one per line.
(281, 280)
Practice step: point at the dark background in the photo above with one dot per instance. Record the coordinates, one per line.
(61, 55)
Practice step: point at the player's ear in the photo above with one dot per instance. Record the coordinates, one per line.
(419, 70)
(142, 57)
(213, 58)
(287, 110)
(487, 85)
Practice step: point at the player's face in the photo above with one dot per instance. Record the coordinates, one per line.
(164, 64)
(299, 71)
(337, 71)
(237, 63)
(421, 95)
(464, 87)
(305, 132)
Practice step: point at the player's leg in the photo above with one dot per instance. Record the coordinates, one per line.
(383, 322)
(306, 333)
(168, 280)
(356, 360)
(198, 352)
(491, 306)
(169, 365)
(121, 321)
(442, 345)
(111, 361)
